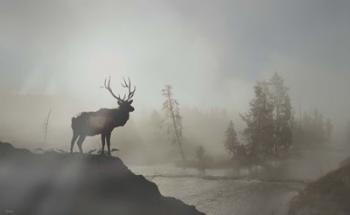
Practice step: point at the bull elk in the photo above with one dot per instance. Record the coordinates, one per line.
(104, 120)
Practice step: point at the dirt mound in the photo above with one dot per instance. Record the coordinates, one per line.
(58, 183)
(329, 195)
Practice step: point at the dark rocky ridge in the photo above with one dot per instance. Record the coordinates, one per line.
(330, 195)
(59, 183)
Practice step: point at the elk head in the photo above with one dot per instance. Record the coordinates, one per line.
(125, 102)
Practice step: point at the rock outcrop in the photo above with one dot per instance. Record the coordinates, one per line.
(59, 183)
(329, 195)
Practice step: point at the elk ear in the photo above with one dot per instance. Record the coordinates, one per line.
(119, 103)
(130, 102)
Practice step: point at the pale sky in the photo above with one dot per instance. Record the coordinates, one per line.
(212, 52)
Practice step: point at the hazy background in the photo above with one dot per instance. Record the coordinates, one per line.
(56, 54)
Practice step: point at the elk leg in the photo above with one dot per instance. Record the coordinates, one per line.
(103, 141)
(74, 138)
(108, 137)
(80, 142)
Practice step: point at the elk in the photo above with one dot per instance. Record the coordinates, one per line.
(104, 120)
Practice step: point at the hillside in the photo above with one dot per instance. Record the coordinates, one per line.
(58, 183)
(327, 196)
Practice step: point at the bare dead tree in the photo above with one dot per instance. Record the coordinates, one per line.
(104, 120)
(171, 106)
(46, 125)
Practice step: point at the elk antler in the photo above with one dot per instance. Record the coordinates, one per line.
(128, 85)
(107, 85)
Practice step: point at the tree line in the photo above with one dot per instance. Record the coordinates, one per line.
(269, 121)
(272, 128)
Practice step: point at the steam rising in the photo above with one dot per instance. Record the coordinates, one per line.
(57, 54)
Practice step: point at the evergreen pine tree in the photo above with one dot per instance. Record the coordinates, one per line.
(231, 141)
(260, 124)
(282, 115)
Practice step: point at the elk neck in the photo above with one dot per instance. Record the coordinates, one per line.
(120, 116)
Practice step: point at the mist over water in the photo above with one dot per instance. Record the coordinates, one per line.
(212, 54)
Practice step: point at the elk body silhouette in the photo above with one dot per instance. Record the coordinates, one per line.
(104, 120)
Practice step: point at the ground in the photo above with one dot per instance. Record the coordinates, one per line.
(329, 195)
(59, 183)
